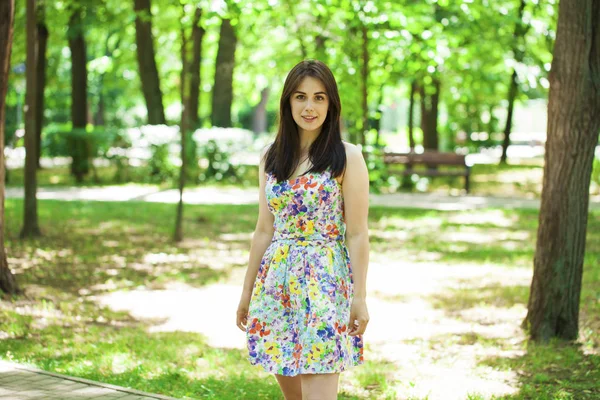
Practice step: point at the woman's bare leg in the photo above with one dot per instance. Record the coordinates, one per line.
(320, 386)
(291, 386)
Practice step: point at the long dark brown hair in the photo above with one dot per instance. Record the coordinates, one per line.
(327, 150)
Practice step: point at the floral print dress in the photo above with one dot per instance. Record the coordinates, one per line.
(300, 306)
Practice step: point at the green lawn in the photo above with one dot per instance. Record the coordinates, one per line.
(91, 248)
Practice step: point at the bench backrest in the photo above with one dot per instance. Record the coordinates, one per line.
(429, 157)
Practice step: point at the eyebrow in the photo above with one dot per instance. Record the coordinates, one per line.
(297, 91)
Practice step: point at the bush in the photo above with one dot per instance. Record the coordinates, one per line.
(82, 145)
(218, 164)
(161, 169)
(379, 177)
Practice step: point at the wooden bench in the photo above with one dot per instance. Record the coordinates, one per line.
(430, 160)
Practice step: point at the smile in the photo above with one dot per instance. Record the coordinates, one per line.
(309, 119)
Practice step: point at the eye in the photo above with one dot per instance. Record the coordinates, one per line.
(300, 96)
(320, 98)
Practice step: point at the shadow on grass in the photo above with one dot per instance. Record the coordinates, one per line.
(495, 295)
(552, 371)
(177, 364)
(104, 246)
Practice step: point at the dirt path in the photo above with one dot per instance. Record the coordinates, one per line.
(211, 195)
(428, 321)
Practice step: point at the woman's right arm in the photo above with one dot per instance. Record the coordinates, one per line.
(261, 239)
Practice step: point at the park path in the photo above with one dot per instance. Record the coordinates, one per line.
(212, 195)
(18, 382)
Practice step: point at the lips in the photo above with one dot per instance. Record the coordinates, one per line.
(309, 119)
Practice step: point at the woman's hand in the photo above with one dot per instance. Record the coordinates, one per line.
(359, 317)
(242, 312)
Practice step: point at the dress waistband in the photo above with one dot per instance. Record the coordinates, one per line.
(312, 240)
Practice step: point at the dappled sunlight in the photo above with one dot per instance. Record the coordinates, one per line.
(514, 176)
(484, 217)
(209, 310)
(433, 348)
(436, 350)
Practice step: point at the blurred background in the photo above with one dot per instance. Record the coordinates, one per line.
(458, 76)
(109, 294)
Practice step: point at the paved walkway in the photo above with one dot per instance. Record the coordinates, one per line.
(213, 195)
(18, 382)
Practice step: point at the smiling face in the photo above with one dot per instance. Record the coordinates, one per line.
(309, 103)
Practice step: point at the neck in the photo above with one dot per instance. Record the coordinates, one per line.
(307, 138)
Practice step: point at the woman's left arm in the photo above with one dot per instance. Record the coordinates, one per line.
(355, 188)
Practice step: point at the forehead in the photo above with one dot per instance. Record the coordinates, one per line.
(311, 85)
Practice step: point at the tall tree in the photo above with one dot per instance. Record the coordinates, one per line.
(79, 104)
(8, 283)
(147, 63)
(430, 97)
(222, 95)
(42, 31)
(411, 115)
(259, 118)
(573, 128)
(194, 98)
(519, 52)
(30, 215)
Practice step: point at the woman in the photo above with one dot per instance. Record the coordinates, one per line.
(303, 304)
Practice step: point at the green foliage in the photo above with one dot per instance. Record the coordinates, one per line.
(379, 177)
(160, 168)
(219, 166)
(246, 115)
(58, 140)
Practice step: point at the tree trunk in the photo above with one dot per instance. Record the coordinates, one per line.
(194, 100)
(78, 146)
(365, 78)
(8, 283)
(42, 31)
(222, 95)
(429, 116)
(147, 64)
(259, 120)
(183, 127)
(411, 116)
(30, 220)
(573, 125)
(518, 34)
(512, 94)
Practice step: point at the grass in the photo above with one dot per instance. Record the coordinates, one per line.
(94, 248)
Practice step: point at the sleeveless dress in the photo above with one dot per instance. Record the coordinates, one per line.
(300, 306)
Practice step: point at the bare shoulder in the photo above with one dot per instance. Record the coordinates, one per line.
(354, 160)
(352, 151)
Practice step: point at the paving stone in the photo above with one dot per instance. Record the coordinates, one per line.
(47, 382)
(19, 383)
(93, 391)
(33, 394)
